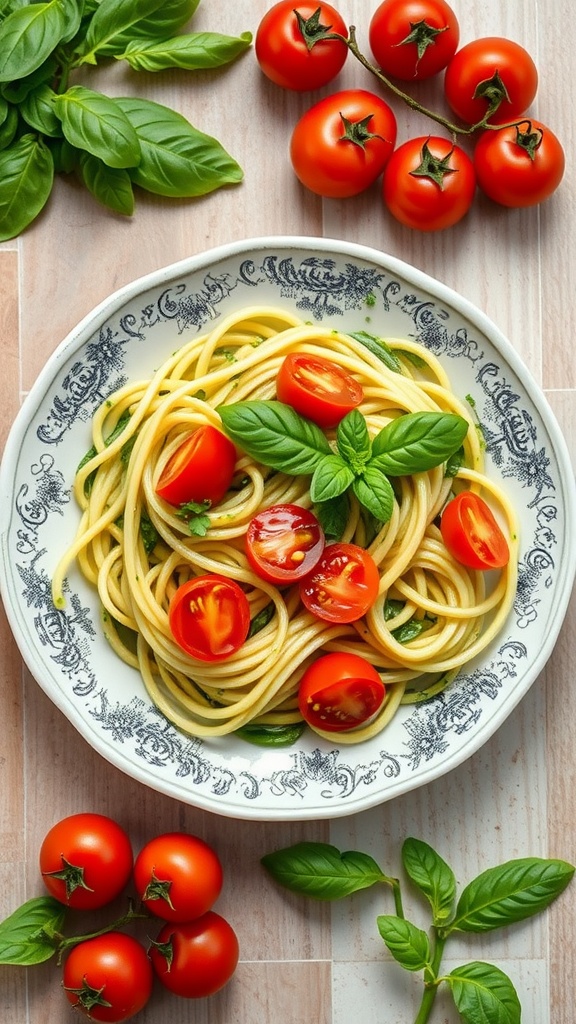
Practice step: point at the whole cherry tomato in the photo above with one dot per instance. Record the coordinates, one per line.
(519, 166)
(284, 543)
(197, 958)
(490, 71)
(344, 584)
(86, 860)
(201, 469)
(317, 388)
(209, 617)
(290, 45)
(178, 876)
(429, 183)
(339, 692)
(109, 977)
(471, 533)
(340, 146)
(413, 39)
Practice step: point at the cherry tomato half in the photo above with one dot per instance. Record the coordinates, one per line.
(486, 70)
(471, 533)
(109, 977)
(201, 469)
(86, 860)
(344, 584)
(317, 388)
(519, 166)
(341, 144)
(284, 543)
(209, 617)
(413, 39)
(198, 958)
(340, 692)
(178, 876)
(285, 47)
(429, 183)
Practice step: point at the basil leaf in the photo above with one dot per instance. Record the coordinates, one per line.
(193, 51)
(74, 10)
(333, 516)
(177, 160)
(321, 871)
(274, 434)
(374, 491)
(432, 875)
(28, 36)
(110, 18)
(378, 348)
(37, 109)
(159, 24)
(418, 441)
(26, 178)
(271, 735)
(331, 478)
(28, 935)
(353, 440)
(412, 629)
(511, 892)
(408, 944)
(120, 425)
(454, 463)
(484, 993)
(8, 128)
(97, 124)
(261, 619)
(111, 186)
(17, 91)
(148, 533)
(66, 157)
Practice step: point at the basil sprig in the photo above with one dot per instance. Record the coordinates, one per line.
(501, 896)
(274, 434)
(51, 125)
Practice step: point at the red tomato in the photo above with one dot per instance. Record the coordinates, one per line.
(343, 586)
(317, 388)
(290, 47)
(177, 876)
(413, 39)
(201, 469)
(86, 860)
(485, 71)
(519, 166)
(284, 543)
(471, 533)
(108, 977)
(340, 692)
(209, 617)
(341, 144)
(198, 958)
(429, 183)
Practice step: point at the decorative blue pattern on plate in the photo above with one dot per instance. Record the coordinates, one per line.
(353, 288)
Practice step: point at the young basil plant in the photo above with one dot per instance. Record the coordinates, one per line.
(274, 434)
(498, 897)
(51, 125)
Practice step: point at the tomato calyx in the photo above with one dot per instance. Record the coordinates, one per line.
(529, 140)
(71, 875)
(422, 35)
(434, 167)
(357, 132)
(158, 889)
(312, 29)
(493, 91)
(165, 949)
(88, 997)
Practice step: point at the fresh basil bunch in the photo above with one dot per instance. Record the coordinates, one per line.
(50, 125)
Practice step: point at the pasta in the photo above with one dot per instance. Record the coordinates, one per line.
(136, 430)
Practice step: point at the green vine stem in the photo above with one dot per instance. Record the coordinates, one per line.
(431, 986)
(64, 944)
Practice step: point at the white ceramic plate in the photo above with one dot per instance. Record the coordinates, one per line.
(352, 288)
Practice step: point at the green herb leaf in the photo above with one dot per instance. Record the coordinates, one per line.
(28, 36)
(331, 478)
(333, 516)
(148, 533)
(98, 124)
(271, 735)
(408, 944)
(110, 18)
(412, 629)
(111, 186)
(176, 160)
(374, 491)
(37, 109)
(27, 935)
(26, 178)
(120, 426)
(321, 871)
(418, 441)
(18, 90)
(454, 463)
(261, 619)
(193, 51)
(378, 348)
(159, 24)
(353, 440)
(8, 128)
(432, 875)
(194, 512)
(274, 434)
(484, 993)
(511, 892)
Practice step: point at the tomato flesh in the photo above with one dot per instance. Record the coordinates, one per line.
(284, 543)
(108, 977)
(283, 53)
(339, 692)
(317, 389)
(178, 876)
(197, 958)
(209, 617)
(200, 470)
(413, 39)
(86, 860)
(471, 533)
(343, 586)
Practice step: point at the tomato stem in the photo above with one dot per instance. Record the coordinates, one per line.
(64, 944)
(432, 980)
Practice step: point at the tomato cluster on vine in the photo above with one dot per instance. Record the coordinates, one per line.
(346, 140)
(86, 862)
